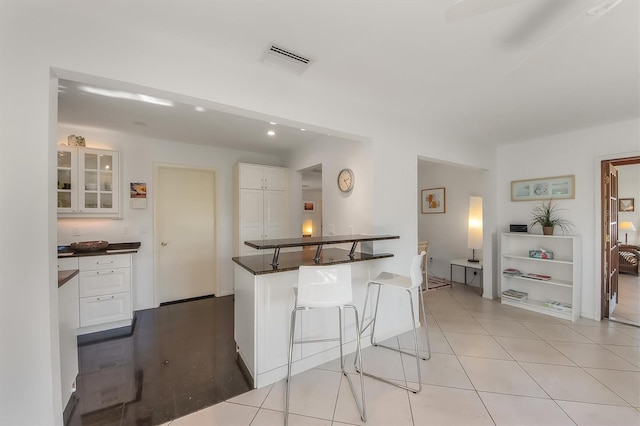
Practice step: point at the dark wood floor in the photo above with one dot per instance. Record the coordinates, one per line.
(179, 359)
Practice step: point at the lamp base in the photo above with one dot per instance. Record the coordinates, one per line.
(473, 257)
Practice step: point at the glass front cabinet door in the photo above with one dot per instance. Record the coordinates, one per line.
(67, 192)
(94, 192)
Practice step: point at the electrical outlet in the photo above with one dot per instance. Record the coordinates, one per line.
(75, 232)
(125, 230)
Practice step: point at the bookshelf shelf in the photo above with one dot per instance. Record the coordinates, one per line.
(563, 273)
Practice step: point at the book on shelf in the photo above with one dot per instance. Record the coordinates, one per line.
(558, 306)
(515, 295)
(512, 272)
(537, 276)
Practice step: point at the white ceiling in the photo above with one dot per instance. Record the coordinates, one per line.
(530, 69)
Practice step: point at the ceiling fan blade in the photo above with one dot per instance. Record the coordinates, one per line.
(462, 9)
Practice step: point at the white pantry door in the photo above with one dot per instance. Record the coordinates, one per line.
(185, 262)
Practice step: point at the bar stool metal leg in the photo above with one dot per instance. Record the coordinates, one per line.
(358, 357)
(416, 352)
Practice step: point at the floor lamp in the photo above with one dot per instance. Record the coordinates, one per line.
(474, 240)
(626, 227)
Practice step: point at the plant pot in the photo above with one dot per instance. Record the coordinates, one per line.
(547, 230)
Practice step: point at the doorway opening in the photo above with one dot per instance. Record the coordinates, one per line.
(312, 201)
(620, 183)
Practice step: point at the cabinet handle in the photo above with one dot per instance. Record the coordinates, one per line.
(104, 272)
(104, 263)
(105, 298)
(266, 184)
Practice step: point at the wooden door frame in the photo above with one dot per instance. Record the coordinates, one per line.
(619, 161)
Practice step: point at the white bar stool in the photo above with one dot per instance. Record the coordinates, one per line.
(325, 287)
(399, 282)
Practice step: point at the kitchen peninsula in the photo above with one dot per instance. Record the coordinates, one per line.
(264, 298)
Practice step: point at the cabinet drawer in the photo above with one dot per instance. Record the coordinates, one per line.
(103, 309)
(103, 282)
(67, 263)
(94, 263)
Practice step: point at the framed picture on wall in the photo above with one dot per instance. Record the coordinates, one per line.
(557, 187)
(308, 206)
(626, 205)
(433, 200)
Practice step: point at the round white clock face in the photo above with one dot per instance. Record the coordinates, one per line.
(346, 180)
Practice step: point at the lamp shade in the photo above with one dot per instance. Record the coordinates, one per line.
(474, 240)
(626, 226)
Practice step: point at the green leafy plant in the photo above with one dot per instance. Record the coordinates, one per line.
(546, 215)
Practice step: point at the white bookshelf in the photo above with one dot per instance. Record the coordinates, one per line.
(564, 269)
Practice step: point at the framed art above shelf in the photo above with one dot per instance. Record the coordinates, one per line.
(557, 187)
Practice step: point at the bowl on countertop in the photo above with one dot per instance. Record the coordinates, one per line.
(88, 246)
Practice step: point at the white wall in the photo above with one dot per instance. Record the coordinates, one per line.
(629, 187)
(342, 213)
(138, 158)
(447, 233)
(577, 153)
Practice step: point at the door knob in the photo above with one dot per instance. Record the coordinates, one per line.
(164, 243)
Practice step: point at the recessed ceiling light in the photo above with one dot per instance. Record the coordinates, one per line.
(304, 130)
(273, 123)
(140, 123)
(199, 109)
(271, 133)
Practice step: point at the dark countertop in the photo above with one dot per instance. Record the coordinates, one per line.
(314, 241)
(290, 261)
(65, 276)
(113, 248)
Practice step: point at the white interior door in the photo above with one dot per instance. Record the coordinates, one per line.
(185, 262)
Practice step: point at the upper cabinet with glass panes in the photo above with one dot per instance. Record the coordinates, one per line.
(88, 182)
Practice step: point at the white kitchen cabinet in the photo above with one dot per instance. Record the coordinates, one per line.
(255, 176)
(105, 292)
(68, 322)
(561, 276)
(261, 210)
(88, 182)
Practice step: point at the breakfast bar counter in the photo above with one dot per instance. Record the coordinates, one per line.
(264, 298)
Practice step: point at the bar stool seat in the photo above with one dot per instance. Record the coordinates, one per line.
(322, 287)
(408, 284)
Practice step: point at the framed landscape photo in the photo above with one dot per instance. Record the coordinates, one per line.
(308, 207)
(626, 205)
(557, 187)
(433, 200)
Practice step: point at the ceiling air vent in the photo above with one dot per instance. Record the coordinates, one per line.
(286, 58)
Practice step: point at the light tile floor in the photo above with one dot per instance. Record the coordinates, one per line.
(628, 307)
(491, 364)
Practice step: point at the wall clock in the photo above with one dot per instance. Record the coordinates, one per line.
(346, 180)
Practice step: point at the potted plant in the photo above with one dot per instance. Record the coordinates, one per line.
(546, 215)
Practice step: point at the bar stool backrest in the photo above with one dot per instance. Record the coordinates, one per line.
(324, 286)
(416, 270)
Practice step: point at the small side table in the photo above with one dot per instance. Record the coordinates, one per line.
(466, 265)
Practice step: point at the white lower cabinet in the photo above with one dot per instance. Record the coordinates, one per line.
(105, 292)
(104, 309)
